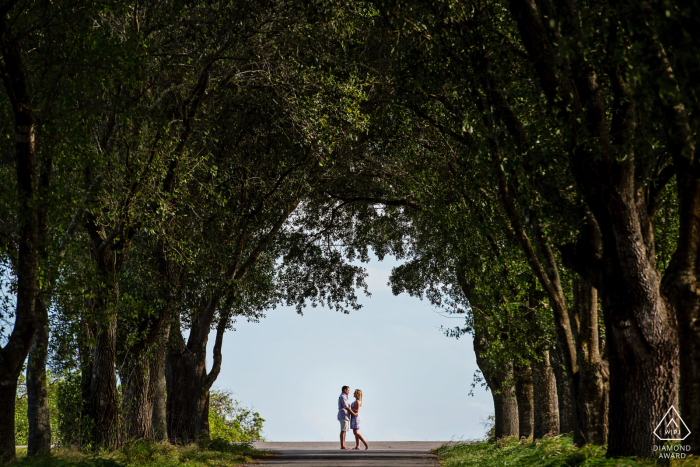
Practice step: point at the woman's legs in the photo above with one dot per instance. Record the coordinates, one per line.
(358, 438)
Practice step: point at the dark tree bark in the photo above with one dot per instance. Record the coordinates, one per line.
(104, 398)
(39, 433)
(103, 402)
(158, 388)
(188, 382)
(524, 396)
(186, 388)
(39, 430)
(137, 399)
(681, 282)
(8, 392)
(157, 385)
(86, 349)
(143, 374)
(593, 380)
(565, 394)
(24, 246)
(505, 406)
(544, 392)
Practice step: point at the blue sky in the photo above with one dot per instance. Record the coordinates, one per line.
(415, 381)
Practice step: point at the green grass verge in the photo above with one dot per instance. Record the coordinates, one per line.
(551, 452)
(143, 454)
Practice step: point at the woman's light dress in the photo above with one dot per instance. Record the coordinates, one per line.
(355, 421)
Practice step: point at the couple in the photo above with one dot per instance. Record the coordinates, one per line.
(344, 411)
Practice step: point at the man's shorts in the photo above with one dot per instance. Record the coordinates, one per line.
(344, 425)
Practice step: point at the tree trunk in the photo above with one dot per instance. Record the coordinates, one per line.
(505, 404)
(104, 398)
(186, 397)
(103, 404)
(544, 392)
(39, 435)
(688, 312)
(565, 393)
(640, 324)
(187, 380)
(142, 371)
(158, 387)
(170, 277)
(505, 407)
(593, 373)
(137, 401)
(524, 396)
(681, 282)
(143, 379)
(25, 243)
(86, 349)
(643, 386)
(8, 394)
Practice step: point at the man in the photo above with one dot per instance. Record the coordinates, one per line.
(344, 411)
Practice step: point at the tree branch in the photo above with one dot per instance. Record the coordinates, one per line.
(117, 230)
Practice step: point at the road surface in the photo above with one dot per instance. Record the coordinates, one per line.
(328, 454)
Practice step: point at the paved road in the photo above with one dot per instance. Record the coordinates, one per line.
(327, 454)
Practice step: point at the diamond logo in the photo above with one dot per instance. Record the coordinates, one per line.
(672, 427)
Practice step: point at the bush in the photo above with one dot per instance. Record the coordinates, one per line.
(72, 428)
(21, 421)
(231, 422)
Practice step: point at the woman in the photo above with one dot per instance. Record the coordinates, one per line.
(355, 420)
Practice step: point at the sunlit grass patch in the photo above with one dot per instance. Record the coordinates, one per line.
(550, 452)
(215, 453)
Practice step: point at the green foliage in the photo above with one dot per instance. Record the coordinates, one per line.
(21, 402)
(72, 427)
(232, 426)
(548, 452)
(231, 423)
(21, 422)
(68, 426)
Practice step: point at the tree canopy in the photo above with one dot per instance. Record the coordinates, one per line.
(168, 167)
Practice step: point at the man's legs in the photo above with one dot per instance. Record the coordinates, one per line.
(343, 431)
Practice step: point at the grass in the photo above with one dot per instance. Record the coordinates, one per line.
(216, 453)
(552, 452)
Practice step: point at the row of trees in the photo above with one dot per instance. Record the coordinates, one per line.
(178, 166)
(161, 164)
(229, 421)
(560, 173)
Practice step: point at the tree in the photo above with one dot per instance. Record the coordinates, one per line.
(22, 247)
(552, 84)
